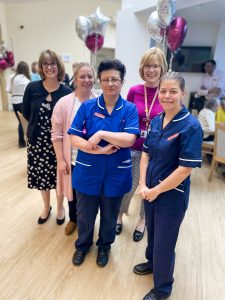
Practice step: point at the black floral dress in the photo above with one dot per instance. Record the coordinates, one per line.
(41, 155)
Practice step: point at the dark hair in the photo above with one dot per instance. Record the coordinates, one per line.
(34, 66)
(211, 61)
(54, 59)
(22, 68)
(174, 76)
(112, 64)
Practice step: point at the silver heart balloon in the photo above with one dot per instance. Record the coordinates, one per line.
(166, 11)
(98, 22)
(82, 27)
(153, 27)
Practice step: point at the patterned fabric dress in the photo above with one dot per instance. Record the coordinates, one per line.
(41, 155)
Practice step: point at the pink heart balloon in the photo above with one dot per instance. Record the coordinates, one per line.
(3, 64)
(176, 33)
(94, 42)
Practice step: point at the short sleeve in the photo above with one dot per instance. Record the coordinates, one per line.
(191, 145)
(132, 121)
(77, 125)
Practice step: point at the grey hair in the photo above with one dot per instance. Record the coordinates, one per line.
(212, 103)
(174, 76)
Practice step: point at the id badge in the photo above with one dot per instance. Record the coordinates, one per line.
(144, 133)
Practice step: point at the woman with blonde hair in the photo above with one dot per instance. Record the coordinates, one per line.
(145, 96)
(39, 100)
(62, 117)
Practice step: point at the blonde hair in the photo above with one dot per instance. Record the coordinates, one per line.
(147, 58)
(80, 65)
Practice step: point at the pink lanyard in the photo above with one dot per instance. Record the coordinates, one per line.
(148, 111)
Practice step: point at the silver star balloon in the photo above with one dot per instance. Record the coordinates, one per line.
(98, 22)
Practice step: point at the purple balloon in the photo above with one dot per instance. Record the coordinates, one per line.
(3, 64)
(176, 33)
(94, 42)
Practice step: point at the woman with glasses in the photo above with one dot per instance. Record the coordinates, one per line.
(145, 96)
(39, 100)
(103, 130)
(62, 117)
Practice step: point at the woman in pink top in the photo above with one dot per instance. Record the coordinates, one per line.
(145, 96)
(62, 117)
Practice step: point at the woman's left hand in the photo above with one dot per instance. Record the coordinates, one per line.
(152, 194)
(93, 141)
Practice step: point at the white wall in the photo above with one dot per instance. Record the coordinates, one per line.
(4, 36)
(220, 47)
(51, 24)
(132, 28)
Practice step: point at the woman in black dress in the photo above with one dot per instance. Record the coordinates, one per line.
(39, 100)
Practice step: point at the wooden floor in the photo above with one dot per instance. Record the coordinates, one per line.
(35, 261)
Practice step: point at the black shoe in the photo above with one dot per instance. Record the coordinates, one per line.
(152, 296)
(22, 145)
(41, 220)
(138, 235)
(119, 228)
(78, 257)
(60, 221)
(102, 258)
(142, 269)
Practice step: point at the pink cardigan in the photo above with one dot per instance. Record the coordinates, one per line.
(62, 117)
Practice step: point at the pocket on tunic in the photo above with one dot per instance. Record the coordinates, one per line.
(126, 164)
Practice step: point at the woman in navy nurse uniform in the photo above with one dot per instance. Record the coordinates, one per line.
(170, 151)
(103, 130)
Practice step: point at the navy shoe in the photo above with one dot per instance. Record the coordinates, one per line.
(152, 296)
(138, 235)
(78, 257)
(119, 228)
(142, 269)
(43, 220)
(102, 257)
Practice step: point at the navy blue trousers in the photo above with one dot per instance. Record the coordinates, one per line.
(87, 209)
(162, 229)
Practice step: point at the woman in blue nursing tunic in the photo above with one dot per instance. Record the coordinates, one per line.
(103, 130)
(170, 152)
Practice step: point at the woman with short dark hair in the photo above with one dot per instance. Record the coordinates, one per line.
(103, 130)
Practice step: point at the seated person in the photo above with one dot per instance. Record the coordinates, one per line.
(213, 80)
(206, 118)
(220, 114)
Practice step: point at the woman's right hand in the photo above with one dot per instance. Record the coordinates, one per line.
(109, 149)
(142, 190)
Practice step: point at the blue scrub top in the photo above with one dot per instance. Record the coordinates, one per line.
(101, 174)
(178, 144)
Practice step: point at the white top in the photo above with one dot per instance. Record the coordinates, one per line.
(17, 88)
(216, 80)
(206, 118)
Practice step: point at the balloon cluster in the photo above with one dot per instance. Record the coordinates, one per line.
(6, 57)
(91, 29)
(162, 24)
